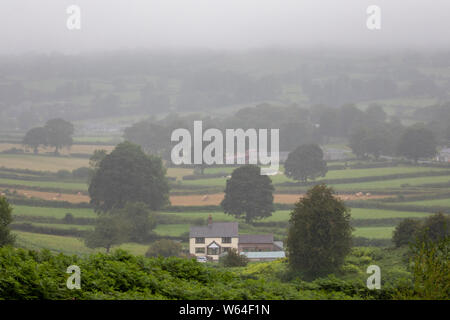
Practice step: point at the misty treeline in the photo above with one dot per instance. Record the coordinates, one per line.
(369, 133)
(35, 88)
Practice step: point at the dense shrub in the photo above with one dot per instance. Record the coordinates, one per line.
(49, 203)
(164, 248)
(233, 259)
(366, 242)
(64, 174)
(434, 228)
(405, 232)
(69, 218)
(431, 270)
(81, 173)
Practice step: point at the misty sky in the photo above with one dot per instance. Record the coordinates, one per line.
(40, 26)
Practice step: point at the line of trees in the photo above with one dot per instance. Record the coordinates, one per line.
(55, 133)
(434, 228)
(413, 142)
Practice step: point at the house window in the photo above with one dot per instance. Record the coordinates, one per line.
(199, 240)
(200, 250)
(226, 249)
(213, 251)
(226, 239)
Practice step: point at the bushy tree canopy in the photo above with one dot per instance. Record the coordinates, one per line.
(109, 230)
(234, 259)
(319, 235)
(5, 219)
(248, 194)
(306, 162)
(405, 232)
(417, 142)
(56, 133)
(127, 174)
(165, 248)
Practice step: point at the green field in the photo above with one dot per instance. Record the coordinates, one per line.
(52, 212)
(72, 186)
(172, 230)
(374, 232)
(391, 184)
(67, 245)
(431, 203)
(358, 213)
(344, 174)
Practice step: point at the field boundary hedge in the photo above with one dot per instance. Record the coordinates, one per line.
(43, 189)
(50, 203)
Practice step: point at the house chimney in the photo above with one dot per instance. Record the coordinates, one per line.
(209, 220)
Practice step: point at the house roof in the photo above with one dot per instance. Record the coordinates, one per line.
(255, 238)
(215, 230)
(264, 254)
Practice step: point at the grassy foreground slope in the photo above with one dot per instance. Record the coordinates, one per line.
(26, 274)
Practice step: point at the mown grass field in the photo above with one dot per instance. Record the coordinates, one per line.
(52, 212)
(41, 163)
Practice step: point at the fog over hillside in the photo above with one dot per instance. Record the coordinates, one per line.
(40, 26)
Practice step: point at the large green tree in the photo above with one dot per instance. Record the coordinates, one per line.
(5, 219)
(417, 142)
(319, 235)
(141, 220)
(248, 194)
(437, 226)
(405, 232)
(305, 162)
(109, 230)
(127, 174)
(59, 133)
(35, 137)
